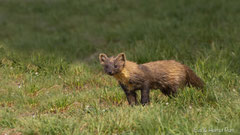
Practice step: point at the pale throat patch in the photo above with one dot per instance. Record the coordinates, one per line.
(124, 77)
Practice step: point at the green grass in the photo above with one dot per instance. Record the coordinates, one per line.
(52, 83)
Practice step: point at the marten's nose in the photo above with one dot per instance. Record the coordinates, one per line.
(110, 73)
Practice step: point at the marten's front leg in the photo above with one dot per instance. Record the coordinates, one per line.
(131, 95)
(145, 94)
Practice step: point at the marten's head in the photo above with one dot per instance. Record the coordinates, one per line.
(112, 65)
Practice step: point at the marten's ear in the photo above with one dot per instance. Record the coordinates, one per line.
(121, 57)
(102, 58)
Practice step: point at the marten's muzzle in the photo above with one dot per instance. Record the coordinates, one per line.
(110, 73)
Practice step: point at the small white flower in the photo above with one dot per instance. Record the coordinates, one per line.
(36, 73)
(86, 107)
(19, 86)
(234, 90)
(190, 107)
(167, 103)
(11, 67)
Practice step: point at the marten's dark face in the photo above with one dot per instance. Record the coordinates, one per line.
(112, 65)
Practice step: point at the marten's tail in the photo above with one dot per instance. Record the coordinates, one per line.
(193, 79)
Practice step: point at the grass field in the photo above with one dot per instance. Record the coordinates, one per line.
(52, 83)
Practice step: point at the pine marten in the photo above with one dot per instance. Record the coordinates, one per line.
(166, 75)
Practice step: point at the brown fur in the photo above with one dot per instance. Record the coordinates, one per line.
(166, 75)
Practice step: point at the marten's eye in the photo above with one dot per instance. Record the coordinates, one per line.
(115, 66)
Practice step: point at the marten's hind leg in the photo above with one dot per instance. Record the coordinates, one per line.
(170, 92)
(173, 92)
